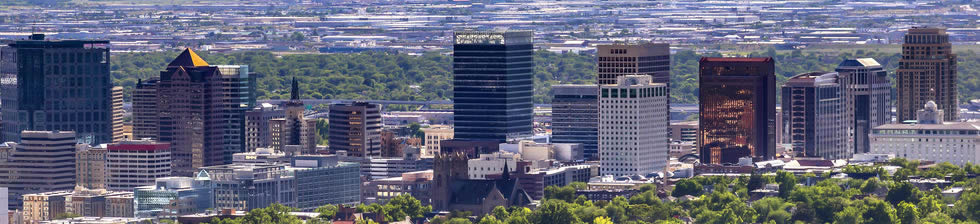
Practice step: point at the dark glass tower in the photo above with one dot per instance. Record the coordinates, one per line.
(57, 85)
(201, 111)
(575, 117)
(737, 112)
(493, 85)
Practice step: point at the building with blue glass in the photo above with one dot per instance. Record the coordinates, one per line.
(493, 84)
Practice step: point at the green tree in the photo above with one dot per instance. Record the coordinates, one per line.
(687, 187)
(903, 191)
(554, 211)
(907, 213)
(787, 181)
(490, 220)
(326, 212)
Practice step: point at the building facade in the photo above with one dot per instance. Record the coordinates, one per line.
(257, 129)
(633, 121)
(44, 161)
(136, 163)
(737, 111)
(493, 85)
(926, 72)
(575, 117)
(174, 196)
(867, 100)
(145, 112)
(433, 135)
(118, 114)
(616, 60)
(930, 139)
(418, 184)
(306, 183)
(491, 164)
(90, 167)
(58, 85)
(355, 128)
(201, 111)
(294, 129)
(814, 116)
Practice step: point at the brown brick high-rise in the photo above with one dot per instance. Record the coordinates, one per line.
(926, 72)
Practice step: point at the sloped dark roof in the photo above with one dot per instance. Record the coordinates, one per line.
(188, 59)
(474, 191)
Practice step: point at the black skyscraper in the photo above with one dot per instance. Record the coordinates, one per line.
(57, 85)
(493, 85)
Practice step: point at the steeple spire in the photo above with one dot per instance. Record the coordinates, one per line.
(294, 94)
(506, 174)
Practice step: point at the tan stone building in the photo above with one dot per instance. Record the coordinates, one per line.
(433, 135)
(926, 72)
(90, 167)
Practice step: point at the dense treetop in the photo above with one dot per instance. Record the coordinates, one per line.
(802, 199)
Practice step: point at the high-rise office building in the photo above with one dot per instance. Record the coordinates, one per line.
(616, 60)
(201, 111)
(633, 121)
(926, 72)
(867, 100)
(117, 114)
(814, 116)
(136, 163)
(58, 85)
(737, 114)
(43, 161)
(493, 85)
(355, 128)
(90, 167)
(257, 134)
(575, 117)
(145, 112)
(293, 130)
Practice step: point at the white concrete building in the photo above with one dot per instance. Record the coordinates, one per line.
(633, 126)
(136, 163)
(491, 164)
(931, 139)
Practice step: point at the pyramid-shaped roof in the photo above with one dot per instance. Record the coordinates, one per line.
(187, 59)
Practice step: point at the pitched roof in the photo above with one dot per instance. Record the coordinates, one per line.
(187, 59)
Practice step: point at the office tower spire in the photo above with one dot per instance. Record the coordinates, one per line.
(294, 92)
(927, 71)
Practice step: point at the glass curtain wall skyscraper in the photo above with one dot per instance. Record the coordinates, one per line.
(57, 85)
(737, 109)
(493, 84)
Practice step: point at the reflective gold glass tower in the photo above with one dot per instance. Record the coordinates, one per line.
(737, 109)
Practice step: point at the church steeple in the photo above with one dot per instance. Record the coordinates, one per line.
(506, 174)
(294, 93)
